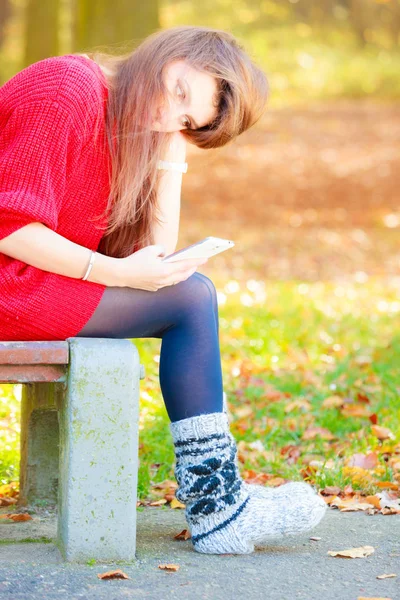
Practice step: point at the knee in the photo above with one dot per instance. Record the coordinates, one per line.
(199, 289)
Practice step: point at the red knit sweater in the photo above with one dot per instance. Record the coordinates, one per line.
(52, 172)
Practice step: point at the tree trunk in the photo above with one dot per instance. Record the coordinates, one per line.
(5, 13)
(41, 30)
(106, 23)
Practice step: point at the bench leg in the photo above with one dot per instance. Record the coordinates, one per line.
(39, 460)
(99, 451)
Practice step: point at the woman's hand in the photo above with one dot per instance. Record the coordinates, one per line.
(145, 270)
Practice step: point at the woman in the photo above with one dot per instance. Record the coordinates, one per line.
(92, 151)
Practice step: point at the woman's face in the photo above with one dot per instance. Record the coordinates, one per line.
(191, 103)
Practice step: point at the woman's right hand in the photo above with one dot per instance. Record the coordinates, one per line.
(145, 270)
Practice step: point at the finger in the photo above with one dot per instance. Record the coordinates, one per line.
(182, 265)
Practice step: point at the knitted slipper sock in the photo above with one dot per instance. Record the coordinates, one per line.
(261, 491)
(222, 515)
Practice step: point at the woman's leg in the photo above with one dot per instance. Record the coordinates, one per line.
(223, 512)
(185, 317)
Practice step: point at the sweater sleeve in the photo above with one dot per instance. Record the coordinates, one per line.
(39, 144)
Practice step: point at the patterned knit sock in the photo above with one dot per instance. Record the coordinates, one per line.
(261, 491)
(222, 515)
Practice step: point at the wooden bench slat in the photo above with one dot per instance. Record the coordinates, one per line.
(30, 353)
(31, 374)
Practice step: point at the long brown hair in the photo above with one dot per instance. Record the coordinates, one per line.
(135, 90)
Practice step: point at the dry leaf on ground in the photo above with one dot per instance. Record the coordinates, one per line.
(166, 484)
(382, 433)
(17, 517)
(183, 535)
(372, 598)
(118, 574)
(389, 503)
(176, 504)
(313, 432)
(361, 552)
(7, 501)
(365, 461)
(350, 504)
(168, 567)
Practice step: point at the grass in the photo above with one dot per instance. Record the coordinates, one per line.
(295, 342)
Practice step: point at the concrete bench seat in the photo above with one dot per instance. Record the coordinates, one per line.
(79, 439)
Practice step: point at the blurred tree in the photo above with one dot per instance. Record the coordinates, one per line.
(41, 30)
(368, 17)
(391, 19)
(104, 22)
(360, 13)
(5, 13)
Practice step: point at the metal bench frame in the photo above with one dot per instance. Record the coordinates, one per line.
(79, 439)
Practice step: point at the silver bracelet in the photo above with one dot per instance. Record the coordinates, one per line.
(181, 167)
(92, 257)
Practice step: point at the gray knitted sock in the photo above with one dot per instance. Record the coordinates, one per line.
(222, 515)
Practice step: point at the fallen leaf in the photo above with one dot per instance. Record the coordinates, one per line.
(118, 574)
(387, 484)
(301, 404)
(372, 598)
(183, 535)
(158, 502)
(349, 504)
(312, 432)
(355, 410)
(358, 475)
(17, 517)
(176, 504)
(365, 461)
(243, 411)
(252, 477)
(332, 402)
(7, 501)
(168, 567)
(275, 481)
(273, 395)
(167, 483)
(388, 501)
(360, 552)
(9, 489)
(382, 433)
(331, 489)
(374, 500)
(363, 398)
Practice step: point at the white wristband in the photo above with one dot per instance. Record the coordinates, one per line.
(172, 166)
(92, 257)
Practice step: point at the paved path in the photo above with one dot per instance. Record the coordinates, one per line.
(292, 569)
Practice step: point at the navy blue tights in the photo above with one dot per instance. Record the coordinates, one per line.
(185, 317)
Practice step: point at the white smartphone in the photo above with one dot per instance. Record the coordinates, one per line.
(203, 249)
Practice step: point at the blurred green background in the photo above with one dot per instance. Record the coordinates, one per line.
(310, 49)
